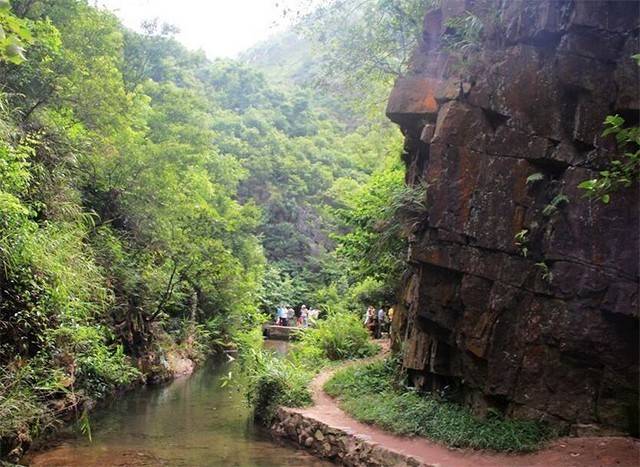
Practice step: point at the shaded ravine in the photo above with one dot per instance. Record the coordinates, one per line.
(192, 421)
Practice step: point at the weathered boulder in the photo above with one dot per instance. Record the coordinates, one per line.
(545, 325)
(414, 100)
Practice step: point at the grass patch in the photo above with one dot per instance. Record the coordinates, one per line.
(368, 393)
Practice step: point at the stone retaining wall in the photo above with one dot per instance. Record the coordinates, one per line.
(336, 444)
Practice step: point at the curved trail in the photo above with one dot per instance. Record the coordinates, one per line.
(564, 452)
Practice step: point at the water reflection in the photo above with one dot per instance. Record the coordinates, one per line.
(190, 422)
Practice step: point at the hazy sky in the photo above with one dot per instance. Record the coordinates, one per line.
(222, 28)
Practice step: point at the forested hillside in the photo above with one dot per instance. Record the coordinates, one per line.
(155, 201)
(122, 234)
(157, 206)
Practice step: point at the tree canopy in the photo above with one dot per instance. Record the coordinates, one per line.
(153, 198)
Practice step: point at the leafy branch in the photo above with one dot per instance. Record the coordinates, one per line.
(14, 35)
(623, 170)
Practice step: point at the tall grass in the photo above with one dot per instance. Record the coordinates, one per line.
(18, 405)
(274, 381)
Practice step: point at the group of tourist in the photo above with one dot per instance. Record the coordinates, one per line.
(302, 317)
(378, 322)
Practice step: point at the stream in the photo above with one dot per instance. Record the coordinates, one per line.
(192, 421)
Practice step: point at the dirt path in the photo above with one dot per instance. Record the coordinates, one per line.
(564, 452)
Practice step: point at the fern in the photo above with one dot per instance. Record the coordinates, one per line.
(547, 275)
(536, 177)
(84, 425)
(521, 240)
(552, 207)
(463, 33)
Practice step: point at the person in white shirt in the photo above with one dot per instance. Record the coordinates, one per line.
(381, 319)
(304, 315)
(282, 316)
(370, 320)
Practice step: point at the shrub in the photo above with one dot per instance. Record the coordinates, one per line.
(25, 387)
(198, 340)
(341, 336)
(274, 381)
(99, 368)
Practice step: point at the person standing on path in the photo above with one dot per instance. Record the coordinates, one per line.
(282, 316)
(304, 313)
(389, 324)
(380, 320)
(370, 320)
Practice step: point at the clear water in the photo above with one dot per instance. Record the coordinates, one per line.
(190, 422)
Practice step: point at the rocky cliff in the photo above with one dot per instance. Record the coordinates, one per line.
(522, 294)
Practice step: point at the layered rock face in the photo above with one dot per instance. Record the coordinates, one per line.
(522, 296)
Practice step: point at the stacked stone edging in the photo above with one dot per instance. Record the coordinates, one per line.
(336, 444)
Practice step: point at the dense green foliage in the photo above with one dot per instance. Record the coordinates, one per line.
(368, 392)
(340, 336)
(156, 201)
(276, 380)
(121, 210)
(353, 51)
(273, 380)
(14, 35)
(378, 217)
